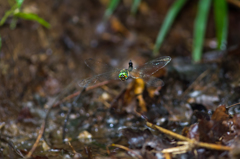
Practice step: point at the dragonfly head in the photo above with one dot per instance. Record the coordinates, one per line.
(123, 75)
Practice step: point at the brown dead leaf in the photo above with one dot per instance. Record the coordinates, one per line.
(220, 114)
(143, 7)
(193, 132)
(117, 26)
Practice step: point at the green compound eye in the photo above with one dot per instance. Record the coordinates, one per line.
(123, 75)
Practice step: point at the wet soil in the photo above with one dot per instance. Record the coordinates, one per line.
(40, 70)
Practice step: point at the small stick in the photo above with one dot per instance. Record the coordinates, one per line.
(88, 151)
(126, 148)
(76, 155)
(11, 146)
(227, 107)
(37, 141)
(168, 132)
(72, 147)
(78, 92)
(199, 78)
(52, 105)
(108, 152)
(180, 137)
(68, 114)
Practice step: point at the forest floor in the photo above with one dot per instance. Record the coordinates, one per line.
(44, 113)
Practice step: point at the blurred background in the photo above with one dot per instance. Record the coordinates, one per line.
(43, 46)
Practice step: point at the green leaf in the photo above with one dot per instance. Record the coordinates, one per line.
(111, 7)
(171, 15)
(7, 14)
(199, 28)
(33, 17)
(19, 3)
(221, 23)
(135, 6)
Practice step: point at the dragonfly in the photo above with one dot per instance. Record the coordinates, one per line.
(111, 73)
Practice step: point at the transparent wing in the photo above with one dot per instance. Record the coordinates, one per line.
(153, 81)
(99, 67)
(113, 75)
(150, 67)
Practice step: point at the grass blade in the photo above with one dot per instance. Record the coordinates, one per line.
(221, 23)
(111, 7)
(135, 6)
(33, 17)
(7, 14)
(199, 28)
(172, 13)
(19, 3)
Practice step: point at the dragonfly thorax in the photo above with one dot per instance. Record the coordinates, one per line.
(123, 75)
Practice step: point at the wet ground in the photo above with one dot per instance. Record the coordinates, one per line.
(40, 72)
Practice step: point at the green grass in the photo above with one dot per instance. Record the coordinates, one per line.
(33, 17)
(111, 7)
(15, 11)
(135, 6)
(200, 28)
(171, 15)
(200, 23)
(19, 3)
(8, 13)
(221, 23)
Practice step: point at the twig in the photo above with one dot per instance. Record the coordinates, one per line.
(199, 78)
(52, 105)
(88, 151)
(11, 145)
(68, 114)
(126, 148)
(186, 146)
(72, 147)
(168, 132)
(78, 92)
(37, 141)
(10, 152)
(107, 148)
(65, 123)
(180, 137)
(107, 105)
(114, 92)
(76, 155)
(227, 107)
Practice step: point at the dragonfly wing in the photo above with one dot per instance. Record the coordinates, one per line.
(135, 73)
(113, 75)
(87, 82)
(153, 66)
(153, 81)
(98, 66)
